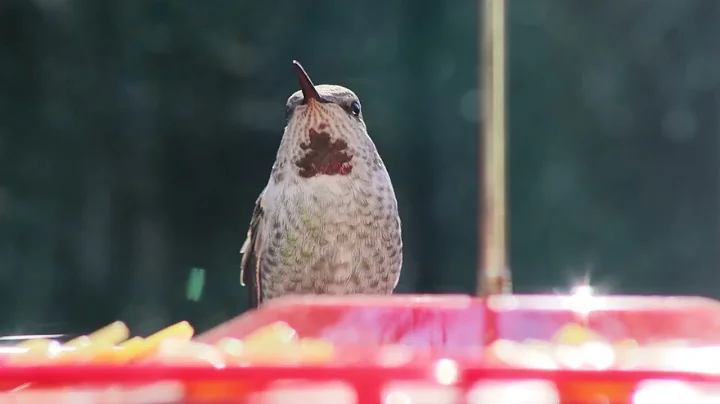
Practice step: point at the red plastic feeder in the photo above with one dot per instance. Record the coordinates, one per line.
(437, 350)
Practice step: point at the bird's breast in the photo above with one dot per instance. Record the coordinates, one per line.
(335, 210)
(324, 233)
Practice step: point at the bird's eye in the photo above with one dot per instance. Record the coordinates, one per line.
(355, 108)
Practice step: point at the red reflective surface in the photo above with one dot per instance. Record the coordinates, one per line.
(462, 323)
(453, 322)
(430, 346)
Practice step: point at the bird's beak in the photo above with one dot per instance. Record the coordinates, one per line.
(306, 85)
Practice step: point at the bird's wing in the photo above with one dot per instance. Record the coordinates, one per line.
(250, 264)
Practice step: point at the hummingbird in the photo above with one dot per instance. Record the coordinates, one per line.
(327, 222)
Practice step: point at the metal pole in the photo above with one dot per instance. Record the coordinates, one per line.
(493, 272)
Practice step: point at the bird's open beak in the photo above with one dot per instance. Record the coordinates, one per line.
(306, 85)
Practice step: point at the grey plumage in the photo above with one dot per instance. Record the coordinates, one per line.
(327, 222)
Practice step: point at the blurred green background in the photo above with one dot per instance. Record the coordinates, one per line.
(136, 135)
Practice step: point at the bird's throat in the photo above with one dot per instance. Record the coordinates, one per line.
(324, 155)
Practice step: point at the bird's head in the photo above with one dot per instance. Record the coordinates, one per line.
(325, 129)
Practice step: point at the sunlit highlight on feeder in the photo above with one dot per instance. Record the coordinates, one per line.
(521, 392)
(673, 392)
(583, 299)
(446, 371)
